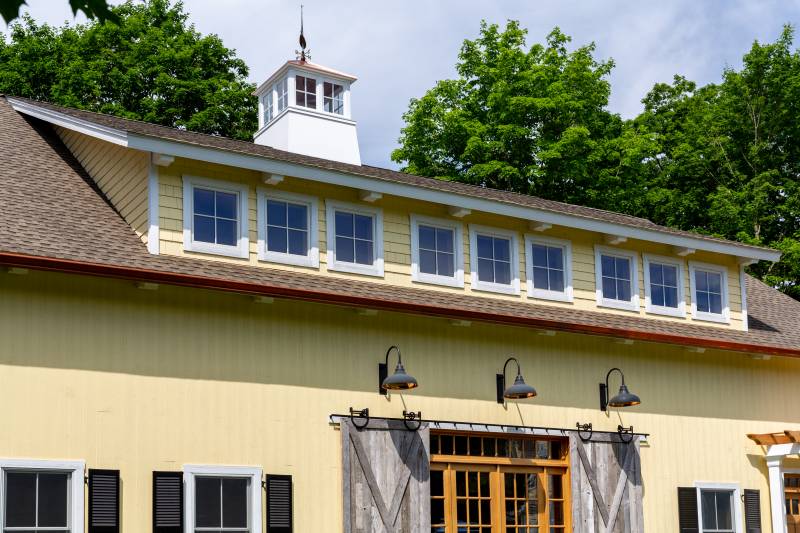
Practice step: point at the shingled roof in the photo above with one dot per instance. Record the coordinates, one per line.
(462, 189)
(52, 217)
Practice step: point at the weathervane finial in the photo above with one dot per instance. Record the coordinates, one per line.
(302, 54)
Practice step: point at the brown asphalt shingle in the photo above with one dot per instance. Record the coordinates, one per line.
(50, 209)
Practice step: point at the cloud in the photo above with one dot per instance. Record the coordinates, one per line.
(400, 49)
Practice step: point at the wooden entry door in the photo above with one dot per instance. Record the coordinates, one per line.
(791, 483)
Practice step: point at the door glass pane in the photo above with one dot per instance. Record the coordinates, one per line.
(20, 498)
(53, 499)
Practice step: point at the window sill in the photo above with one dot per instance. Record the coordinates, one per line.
(310, 261)
(620, 305)
(665, 311)
(240, 252)
(710, 317)
(430, 279)
(540, 294)
(512, 289)
(355, 268)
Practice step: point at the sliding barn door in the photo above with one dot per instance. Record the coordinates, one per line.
(386, 478)
(606, 486)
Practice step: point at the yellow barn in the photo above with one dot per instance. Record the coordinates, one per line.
(200, 334)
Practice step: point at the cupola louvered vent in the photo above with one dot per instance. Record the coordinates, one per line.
(167, 502)
(279, 504)
(103, 501)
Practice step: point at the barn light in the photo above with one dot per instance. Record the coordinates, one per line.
(400, 380)
(518, 391)
(623, 399)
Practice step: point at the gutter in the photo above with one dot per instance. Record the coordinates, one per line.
(10, 259)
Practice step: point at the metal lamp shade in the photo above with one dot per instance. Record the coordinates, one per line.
(519, 390)
(624, 398)
(399, 380)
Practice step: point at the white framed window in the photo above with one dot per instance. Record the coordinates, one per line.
(494, 260)
(282, 90)
(617, 278)
(709, 286)
(437, 251)
(269, 113)
(222, 499)
(215, 217)
(305, 91)
(288, 228)
(663, 286)
(548, 263)
(719, 507)
(355, 238)
(333, 98)
(41, 496)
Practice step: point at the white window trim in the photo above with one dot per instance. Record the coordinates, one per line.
(477, 284)
(457, 280)
(254, 473)
(76, 469)
(344, 87)
(311, 259)
(737, 502)
(376, 269)
(633, 304)
(725, 316)
(680, 311)
(562, 296)
(242, 249)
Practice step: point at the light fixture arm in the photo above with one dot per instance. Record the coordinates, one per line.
(609, 375)
(399, 355)
(506, 365)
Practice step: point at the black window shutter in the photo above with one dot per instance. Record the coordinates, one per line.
(687, 510)
(103, 501)
(279, 504)
(167, 502)
(752, 511)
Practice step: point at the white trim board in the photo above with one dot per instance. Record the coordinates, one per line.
(738, 524)
(77, 471)
(264, 164)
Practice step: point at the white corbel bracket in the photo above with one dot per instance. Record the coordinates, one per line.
(683, 251)
(271, 179)
(163, 160)
(458, 212)
(614, 240)
(539, 226)
(369, 196)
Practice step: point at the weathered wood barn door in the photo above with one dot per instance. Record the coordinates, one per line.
(606, 486)
(386, 478)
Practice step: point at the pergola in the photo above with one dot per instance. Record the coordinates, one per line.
(778, 446)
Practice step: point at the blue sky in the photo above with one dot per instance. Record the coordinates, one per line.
(399, 49)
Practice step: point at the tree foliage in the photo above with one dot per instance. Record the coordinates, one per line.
(721, 159)
(152, 66)
(93, 9)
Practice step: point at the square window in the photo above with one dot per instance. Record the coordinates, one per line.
(717, 511)
(436, 250)
(306, 92)
(333, 98)
(616, 279)
(547, 268)
(709, 293)
(214, 218)
(287, 228)
(37, 500)
(494, 259)
(224, 499)
(662, 287)
(354, 239)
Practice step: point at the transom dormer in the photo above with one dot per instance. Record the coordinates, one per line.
(305, 108)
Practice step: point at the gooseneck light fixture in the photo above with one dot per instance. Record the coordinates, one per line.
(518, 391)
(400, 380)
(623, 399)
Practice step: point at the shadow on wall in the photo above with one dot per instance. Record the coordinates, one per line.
(59, 321)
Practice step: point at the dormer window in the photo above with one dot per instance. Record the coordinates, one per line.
(306, 92)
(333, 98)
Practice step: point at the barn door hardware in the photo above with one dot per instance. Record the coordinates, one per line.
(412, 420)
(584, 428)
(623, 431)
(363, 414)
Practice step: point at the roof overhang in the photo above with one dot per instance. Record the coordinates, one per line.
(305, 66)
(316, 173)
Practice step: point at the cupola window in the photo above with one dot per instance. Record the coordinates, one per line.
(283, 94)
(333, 98)
(306, 92)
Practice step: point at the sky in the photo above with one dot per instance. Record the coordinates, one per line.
(399, 49)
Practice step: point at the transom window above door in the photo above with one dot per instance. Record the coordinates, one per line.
(288, 228)
(355, 238)
(436, 251)
(494, 263)
(616, 278)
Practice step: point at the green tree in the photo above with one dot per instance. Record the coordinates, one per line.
(530, 120)
(152, 65)
(99, 9)
(729, 156)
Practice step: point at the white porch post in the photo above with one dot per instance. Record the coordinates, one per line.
(775, 467)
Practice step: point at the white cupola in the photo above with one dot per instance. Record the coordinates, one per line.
(305, 108)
